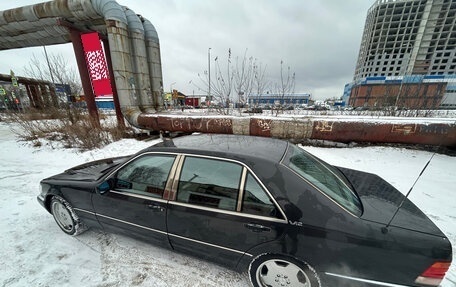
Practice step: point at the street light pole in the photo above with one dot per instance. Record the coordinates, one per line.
(209, 71)
(171, 91)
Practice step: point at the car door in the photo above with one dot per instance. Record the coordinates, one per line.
(135, 203)
(220, 210)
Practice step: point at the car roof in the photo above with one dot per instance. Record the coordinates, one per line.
(239, 145)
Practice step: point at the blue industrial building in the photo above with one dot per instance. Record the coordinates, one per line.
(105, 102)
(276, 99)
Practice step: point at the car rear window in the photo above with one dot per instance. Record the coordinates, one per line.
(324, 177)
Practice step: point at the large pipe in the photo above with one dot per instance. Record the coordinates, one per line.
(154, 61)
(439, 133)
(139, 59)
(119, 46)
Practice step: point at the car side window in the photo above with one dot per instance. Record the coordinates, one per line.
(209, 182)
(256, 201)
(146, 175)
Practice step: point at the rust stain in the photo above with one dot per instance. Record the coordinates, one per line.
(111, 23)
(9, 16)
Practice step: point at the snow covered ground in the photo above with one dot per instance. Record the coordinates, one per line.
(34, 252)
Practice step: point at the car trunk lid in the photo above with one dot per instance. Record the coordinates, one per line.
(380, 201)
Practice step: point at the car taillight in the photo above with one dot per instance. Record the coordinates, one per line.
(434, 274)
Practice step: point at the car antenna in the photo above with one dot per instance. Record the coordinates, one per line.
(385, 228)
(166, 138)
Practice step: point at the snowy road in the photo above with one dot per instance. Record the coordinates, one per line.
(34, 252)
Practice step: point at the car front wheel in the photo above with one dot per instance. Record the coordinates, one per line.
(275, 270)
(65, 217)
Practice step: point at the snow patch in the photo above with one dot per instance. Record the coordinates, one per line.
(35, 252)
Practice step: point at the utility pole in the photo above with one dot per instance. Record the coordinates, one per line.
(209, 72)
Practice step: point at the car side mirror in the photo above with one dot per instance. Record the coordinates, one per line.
(105, 186)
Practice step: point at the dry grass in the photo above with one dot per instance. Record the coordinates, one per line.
(71, 127)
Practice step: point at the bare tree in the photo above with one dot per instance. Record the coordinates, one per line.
(61, 71)
(285, 86)
(239, 81)
(259, 83)
(223, 84)
(244, 78)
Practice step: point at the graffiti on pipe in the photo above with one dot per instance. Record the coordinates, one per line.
(204, 125)
(404, 129)
(323, 126)
(434, 129)
(264, 125)
(221, 122)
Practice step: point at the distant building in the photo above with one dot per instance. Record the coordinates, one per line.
(275, 99)
(409, 48)
(105, 102)
(413, 92)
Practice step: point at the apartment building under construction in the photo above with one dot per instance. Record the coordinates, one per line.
(407, 55)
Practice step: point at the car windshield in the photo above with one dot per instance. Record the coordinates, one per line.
(325, 177)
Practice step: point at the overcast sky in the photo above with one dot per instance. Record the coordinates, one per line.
(318, 39)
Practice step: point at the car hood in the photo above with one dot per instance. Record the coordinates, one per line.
(380, 201)
(90, 171)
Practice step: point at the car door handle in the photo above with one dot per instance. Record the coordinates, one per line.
(257, 227)
(155, 207)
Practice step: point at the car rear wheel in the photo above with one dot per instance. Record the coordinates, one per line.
(65, 217)
(276, 270)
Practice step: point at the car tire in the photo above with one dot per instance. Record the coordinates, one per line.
(65, 216)
(277, 270)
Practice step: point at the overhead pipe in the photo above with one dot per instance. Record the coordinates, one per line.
(133, 44)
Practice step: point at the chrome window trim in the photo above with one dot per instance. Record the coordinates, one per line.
(228, 212)
(129, 223)
(241, 189)
(210, 244)
(176, 177)
(176, 181)
(178, 236)
(83, 210)
(379, 283)
(285, 153)
(169, 192)
(126, 193)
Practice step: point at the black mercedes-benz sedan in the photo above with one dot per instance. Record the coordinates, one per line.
(259, 205)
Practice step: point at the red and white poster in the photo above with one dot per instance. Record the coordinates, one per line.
(96, 63)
